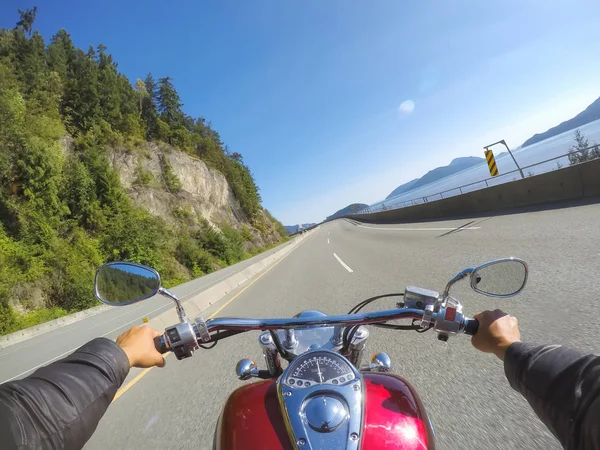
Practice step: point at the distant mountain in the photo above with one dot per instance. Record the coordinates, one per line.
(293, 228)
(348, 210)
(402, 188)
(590, 114)
(456, 165)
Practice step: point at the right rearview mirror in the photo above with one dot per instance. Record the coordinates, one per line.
(500, 278)
(123, 283)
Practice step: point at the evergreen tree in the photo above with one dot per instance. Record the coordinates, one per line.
(61, 54)
(108, 88)
(169, 104)
(149, 112)
(27, 19)
(82, 99)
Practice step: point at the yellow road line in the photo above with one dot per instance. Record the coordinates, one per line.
(145, 371)
(135, 380)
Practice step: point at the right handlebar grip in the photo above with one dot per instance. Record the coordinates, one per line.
(472, 327)
(160, 344)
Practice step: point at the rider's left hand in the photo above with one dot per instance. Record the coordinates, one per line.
(138, 345)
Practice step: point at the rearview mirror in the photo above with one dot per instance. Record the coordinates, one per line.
(123, 283)
(500, 278)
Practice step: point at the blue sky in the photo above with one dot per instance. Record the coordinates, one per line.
(310, 92)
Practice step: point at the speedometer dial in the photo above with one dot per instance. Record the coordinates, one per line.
(319, 368)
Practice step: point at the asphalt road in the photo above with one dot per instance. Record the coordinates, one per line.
(20, 359)
(465, 392)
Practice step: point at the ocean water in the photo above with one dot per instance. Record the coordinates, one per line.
(528, 156)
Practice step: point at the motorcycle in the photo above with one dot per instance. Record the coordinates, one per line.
(325, 398)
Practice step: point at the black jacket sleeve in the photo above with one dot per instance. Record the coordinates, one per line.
(562, 385)
(60, 405)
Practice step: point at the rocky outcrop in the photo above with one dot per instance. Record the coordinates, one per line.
(204, 191)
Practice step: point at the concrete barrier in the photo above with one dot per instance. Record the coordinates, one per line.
(193, 305)
(23, 335)
(575, 182)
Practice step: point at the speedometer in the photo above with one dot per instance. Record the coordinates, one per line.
(320, 367)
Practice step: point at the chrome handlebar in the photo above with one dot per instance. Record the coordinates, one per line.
(366, 318)
(186, 337)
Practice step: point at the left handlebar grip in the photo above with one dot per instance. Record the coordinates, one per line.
(160, 343)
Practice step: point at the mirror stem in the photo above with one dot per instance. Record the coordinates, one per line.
(178, 305)
(459, 276)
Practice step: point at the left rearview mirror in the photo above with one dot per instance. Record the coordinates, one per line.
(123, 283)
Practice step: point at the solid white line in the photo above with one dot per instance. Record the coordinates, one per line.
(421, 229)
(344, 265)
(328, 240)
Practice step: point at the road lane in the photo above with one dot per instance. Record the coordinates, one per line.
(464, 391)
(22, 358)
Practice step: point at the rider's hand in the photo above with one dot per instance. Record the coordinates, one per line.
(497, 331)
(138, 345)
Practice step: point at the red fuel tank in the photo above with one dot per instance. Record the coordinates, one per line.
(395, 418)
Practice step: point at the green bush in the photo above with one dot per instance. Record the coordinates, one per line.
(143, 177)
(171, 181)
(234, 244)
(183, 213)
(195, 258)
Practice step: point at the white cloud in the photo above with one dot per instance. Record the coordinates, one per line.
(406, 107)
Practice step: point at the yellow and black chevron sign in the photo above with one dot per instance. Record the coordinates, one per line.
(491, 162)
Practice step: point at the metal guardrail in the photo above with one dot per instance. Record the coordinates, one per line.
(459, 190)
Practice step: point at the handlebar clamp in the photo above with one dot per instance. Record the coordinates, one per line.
(202, 330)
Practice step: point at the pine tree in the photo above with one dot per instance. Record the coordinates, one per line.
(108, 87)
(169, 104)
(27, 19)
(149, 113)
(82, 100)
(61, 54)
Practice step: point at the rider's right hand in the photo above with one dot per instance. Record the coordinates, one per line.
(497, 331)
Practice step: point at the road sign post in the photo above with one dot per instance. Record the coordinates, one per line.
(503, 142)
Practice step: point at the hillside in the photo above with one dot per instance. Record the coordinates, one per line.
(351, 208)
(591, 113)
(438, 173)
(93, 169)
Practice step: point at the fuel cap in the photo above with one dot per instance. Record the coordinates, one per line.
(324, 413)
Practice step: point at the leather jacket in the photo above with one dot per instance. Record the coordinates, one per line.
(562, 385)
(59, 406)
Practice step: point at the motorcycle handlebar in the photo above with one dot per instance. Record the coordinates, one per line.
(160, 344)
(224, 327)
(296, 322)
(472, 327)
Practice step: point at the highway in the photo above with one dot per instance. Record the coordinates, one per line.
(341, 263)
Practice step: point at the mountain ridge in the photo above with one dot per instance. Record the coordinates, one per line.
(589, 114)
(456, 165)
(351, 208)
